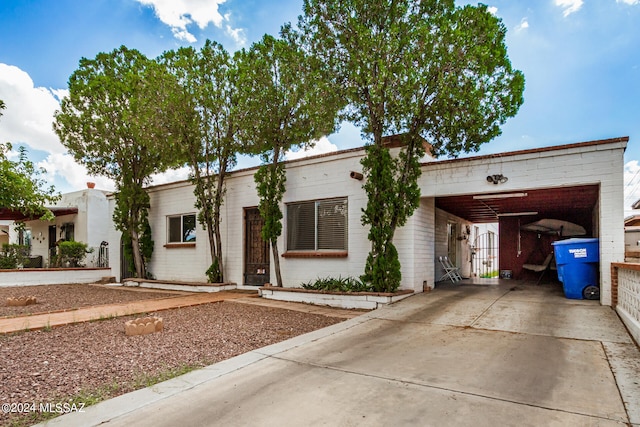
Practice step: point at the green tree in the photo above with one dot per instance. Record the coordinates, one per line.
(21, 188)
(425, 70)
(119, 120)
(210, 123)
(289, 101)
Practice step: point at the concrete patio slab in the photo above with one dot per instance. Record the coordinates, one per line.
(342, 399)
(540, 371)
(585, 322)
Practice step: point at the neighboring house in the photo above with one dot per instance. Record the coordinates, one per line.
(5, 231)
(632, 235)
(323, 235)
(82, 216)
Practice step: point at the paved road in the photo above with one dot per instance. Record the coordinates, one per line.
(464, 356)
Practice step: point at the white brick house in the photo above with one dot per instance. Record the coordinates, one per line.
(581, 182)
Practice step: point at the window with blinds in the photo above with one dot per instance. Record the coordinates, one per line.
(317, 225)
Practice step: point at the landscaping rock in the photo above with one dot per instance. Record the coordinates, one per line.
(21, 301)
(143, 326)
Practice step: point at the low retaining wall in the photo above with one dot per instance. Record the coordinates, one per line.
(169, 285)
(625, 286)
(364, 300)
(52, 276)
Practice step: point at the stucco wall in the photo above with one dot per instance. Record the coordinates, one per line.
(306, 180)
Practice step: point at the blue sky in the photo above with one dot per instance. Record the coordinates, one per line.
(581, 60)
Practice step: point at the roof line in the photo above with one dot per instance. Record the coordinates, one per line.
(439, 162)
(534, 150)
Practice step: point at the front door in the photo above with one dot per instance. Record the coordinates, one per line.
(256, 251)
(53, 248)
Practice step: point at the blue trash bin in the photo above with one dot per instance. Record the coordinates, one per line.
(577, 261)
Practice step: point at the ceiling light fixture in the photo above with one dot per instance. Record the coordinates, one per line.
(499, 196)
(518, 214)
(497, 179)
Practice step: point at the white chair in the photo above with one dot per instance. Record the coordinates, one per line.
(540, 267)
(450, 271)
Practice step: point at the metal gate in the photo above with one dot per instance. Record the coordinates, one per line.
(484, 255)
(256, 255)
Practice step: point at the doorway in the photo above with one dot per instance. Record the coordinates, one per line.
(256, 251)
(485, 255)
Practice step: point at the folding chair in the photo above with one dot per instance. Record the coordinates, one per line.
(450, 271)
(539, 267)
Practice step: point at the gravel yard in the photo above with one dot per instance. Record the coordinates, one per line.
(65, 297)
(98, 358)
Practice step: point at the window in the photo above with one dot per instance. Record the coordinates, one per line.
(317, 225)
(182, 228)
(67, 231)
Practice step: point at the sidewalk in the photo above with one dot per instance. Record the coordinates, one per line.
(87, 314)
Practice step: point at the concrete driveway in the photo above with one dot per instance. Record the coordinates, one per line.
(460, 355)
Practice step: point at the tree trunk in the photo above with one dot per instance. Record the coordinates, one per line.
(276, 262)
(217, 218)
(138, 262)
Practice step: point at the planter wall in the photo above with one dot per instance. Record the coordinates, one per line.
(363, 300)
(52, 276)
(169, 285)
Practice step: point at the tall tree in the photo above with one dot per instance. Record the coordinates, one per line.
(211, 120)
(290, 101)
(119, 121)
(427, 70)
(21, 188)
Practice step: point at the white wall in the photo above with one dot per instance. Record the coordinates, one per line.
(441, 243)
(325, 177)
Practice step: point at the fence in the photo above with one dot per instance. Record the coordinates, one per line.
(625, 295)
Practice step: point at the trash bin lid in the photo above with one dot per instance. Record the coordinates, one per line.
(575, 240)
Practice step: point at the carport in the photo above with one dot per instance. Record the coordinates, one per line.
(513, 209)
(582, 183)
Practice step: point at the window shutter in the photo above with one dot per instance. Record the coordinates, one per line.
(332, 224)
(175, 229)
(301, 226)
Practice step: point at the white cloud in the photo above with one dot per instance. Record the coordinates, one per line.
(178, 14)
(569, 6)
(493, 10)
(322, 146)
(631, 183)
(64, 165)
(524, 24)
(28, 117)
(629, 2)
(237, 35)
(171, 175)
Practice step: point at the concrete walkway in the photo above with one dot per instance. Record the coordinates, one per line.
(463, 356)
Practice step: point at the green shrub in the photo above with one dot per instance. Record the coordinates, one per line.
(340, 284)
(13, 256)
(213, 272)
(71, 254)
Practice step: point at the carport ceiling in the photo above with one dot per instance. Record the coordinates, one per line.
(559, 203)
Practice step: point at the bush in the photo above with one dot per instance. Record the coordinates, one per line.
(213, 272)
(13, 256)
(346, 284)
(71, 254)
